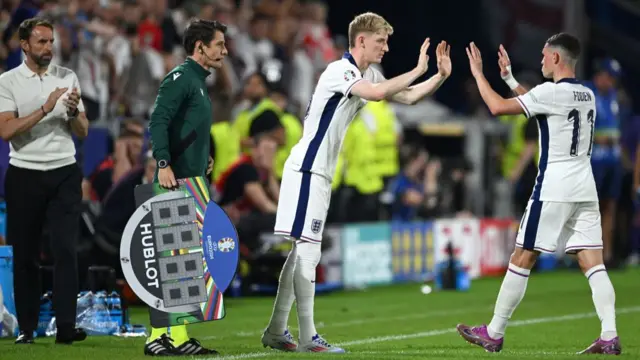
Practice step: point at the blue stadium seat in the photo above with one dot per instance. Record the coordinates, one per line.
(95, 148)
(4, 163)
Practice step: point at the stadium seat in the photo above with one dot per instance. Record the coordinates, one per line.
(95, 148)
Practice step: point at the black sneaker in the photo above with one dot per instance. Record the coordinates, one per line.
(68, 338)
(193, 347)
(161, 346)
(25, 337)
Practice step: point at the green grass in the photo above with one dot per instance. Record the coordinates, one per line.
(554, 320)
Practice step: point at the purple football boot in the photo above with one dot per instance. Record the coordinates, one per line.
(607, 347)
(479, 336)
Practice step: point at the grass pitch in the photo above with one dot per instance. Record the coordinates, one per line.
(554, 321)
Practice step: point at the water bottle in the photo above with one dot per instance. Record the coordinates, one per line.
(85, 301)
(46, 313)
(115, 309)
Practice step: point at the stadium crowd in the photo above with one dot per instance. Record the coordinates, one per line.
(122, 49)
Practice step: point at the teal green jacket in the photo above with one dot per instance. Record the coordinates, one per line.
(181, 120)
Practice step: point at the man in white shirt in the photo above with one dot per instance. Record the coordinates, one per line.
(43, 179)
(564, 201)
(343, 89)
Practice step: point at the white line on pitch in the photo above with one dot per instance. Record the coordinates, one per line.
(322, 325)
(431, 333)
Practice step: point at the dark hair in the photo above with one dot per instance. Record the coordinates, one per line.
(265, 123)
(201, 30)
(567, 42)
(411, 152)
(27, 26)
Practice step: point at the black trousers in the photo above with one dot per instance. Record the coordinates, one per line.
(32, 198)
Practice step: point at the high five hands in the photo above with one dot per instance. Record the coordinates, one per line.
(443, 58)
(475, 60)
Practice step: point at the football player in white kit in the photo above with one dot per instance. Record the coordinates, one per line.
(564, 203)
(343, 88)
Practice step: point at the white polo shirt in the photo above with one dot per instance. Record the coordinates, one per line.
(48, 145)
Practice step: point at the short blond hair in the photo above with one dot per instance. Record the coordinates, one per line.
(368, 22)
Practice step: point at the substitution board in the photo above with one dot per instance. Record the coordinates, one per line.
(179, 253)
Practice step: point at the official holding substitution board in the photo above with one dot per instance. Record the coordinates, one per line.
(180, 125)
(40, 108)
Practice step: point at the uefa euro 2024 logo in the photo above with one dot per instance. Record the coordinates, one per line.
(226, 244)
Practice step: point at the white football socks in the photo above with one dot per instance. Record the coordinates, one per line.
(604, 299)
(511, 293)
(285, 295)
(304, 284)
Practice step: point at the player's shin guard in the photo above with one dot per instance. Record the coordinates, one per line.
(305, 287)
(511, 293)
(285, 296)
(604, 299)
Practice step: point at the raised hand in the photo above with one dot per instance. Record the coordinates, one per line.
(475, 59)
(443, 58)
(504, 62)
(53, 99)
(423, 59)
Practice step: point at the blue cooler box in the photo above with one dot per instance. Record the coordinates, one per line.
(9, 323)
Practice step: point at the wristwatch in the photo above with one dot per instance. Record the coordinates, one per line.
(74, 114)
(163, 163)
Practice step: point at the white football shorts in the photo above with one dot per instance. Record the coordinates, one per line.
(303, 205)
(546, 223)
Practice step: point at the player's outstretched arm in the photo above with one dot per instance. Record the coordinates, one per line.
(496, 103)
(415, 93)
(386, 89)
(505, 72)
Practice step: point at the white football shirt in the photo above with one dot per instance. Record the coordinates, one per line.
(329, 113)
(566, 114)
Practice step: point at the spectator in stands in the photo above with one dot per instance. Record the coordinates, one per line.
(249, 192)
(634, 257)
(253, 91)
(415, 187)
(254, 47)
(363, 182)
(127, 149)
(117, 207)
(605, 157)
(291, 125)
(267, 120)
(159, 31)
(452, 189)
(21, 11)
(315, 36)
(249, 185)
(263, 116)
